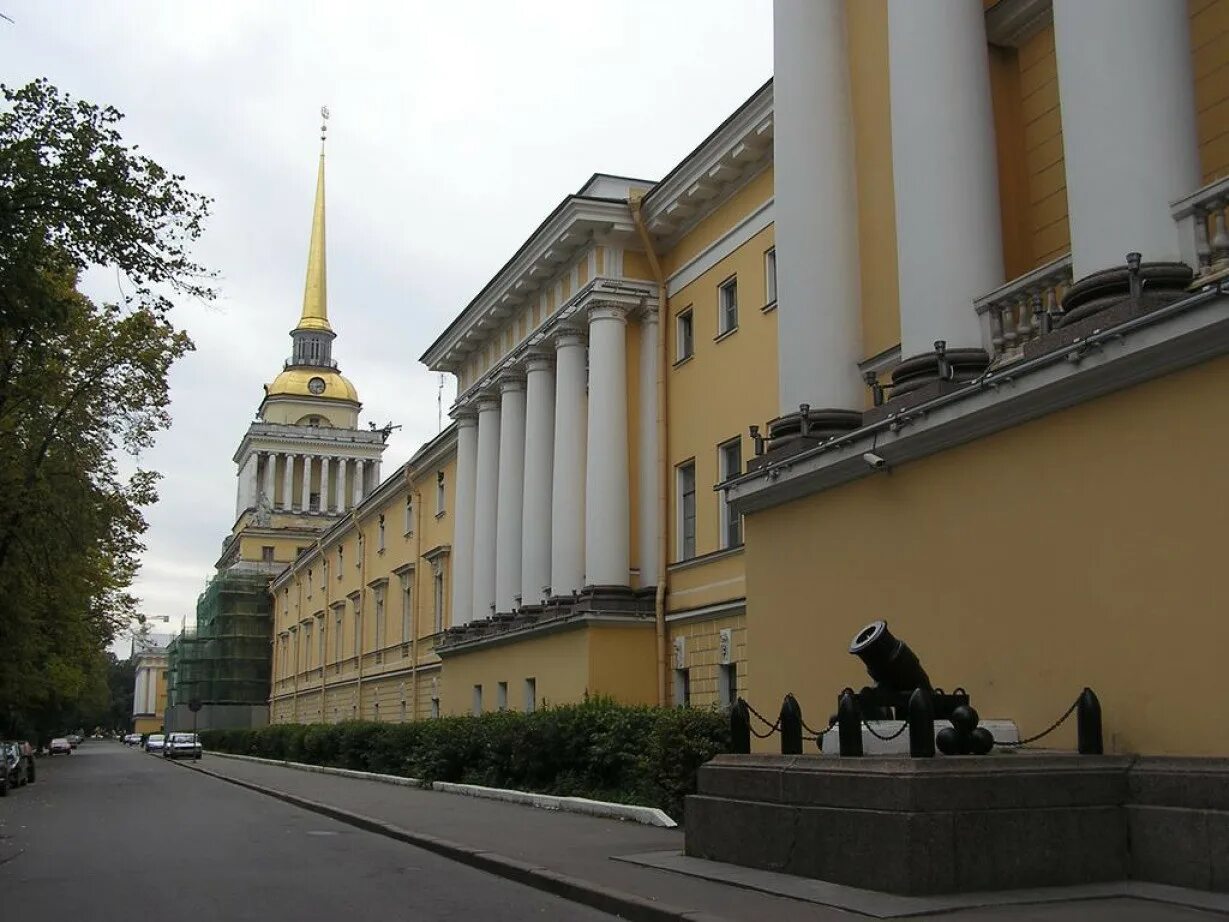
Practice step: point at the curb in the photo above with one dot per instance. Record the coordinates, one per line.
(616, 902)
(649, 816)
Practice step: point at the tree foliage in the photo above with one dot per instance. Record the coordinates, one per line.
(81, 385)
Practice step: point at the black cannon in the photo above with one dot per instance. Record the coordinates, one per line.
(903, 691)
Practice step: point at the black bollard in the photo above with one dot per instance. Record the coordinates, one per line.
(740, 728)
(1088, 724)
(921, 724)
(849, 724)
(791, 727)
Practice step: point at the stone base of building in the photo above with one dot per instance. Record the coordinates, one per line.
(951, 825)
(216, 717)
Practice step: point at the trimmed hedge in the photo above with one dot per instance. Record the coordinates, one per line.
(598, 749)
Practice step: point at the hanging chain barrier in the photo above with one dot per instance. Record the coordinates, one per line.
(963, 737)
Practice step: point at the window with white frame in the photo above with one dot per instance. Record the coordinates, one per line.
(320, 641)
(380, 534)
(685, 475)
(340, 559)
(727, 306)
(729, 465)
(437, 598)
(378, 592)
(770, 277)
(501, 696)
(476, 706)
(407, 606)
(439, 492)
(358, 624)
(358, 557)
(309, 583)
(727, 684)
(682, 688)
(307, 644)
(435, 707)
(684, 335)
(408, 527)
(339, 640)
(531, 695)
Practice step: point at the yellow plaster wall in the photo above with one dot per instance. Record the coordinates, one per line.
(1210, 50)
(622, 663)
(636, 266)
(701, 655)
(707, 582)
(1082, 548)
(147, 724)
(867, 34)
(727, 384)
(559, 662)
(291, 411)
(725, 216)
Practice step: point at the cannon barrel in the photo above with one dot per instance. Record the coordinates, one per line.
(894, 667)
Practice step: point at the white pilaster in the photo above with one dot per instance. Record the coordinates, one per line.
(305, 489)
(607, 484)
(948, 232)
(647, 473)
(539, 466)
(287, 481)
(511, 492)
(1126, 88)
(360, 468)
(818, 274)
(486, 506)
(567, 555)
(462, 554)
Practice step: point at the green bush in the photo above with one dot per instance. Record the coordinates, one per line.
(598, 749)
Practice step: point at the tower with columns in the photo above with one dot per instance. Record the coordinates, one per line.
(304, 461)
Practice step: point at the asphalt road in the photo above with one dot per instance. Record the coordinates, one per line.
(110, 833)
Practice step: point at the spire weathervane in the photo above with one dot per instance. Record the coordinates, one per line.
(324, 124)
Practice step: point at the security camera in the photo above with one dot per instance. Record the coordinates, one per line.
(874, 461)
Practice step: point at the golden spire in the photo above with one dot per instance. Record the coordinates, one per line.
(316, 291)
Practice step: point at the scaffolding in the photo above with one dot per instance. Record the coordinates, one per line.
(225, 657)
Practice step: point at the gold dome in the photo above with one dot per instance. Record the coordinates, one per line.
(296, 382)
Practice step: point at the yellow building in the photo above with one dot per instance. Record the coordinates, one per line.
(949, 402)
(149, 692)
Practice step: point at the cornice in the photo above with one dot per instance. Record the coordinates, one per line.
(575, 223)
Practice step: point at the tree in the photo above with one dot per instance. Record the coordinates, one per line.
(80, 385)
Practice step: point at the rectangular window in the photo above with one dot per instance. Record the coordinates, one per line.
(727, 306)
(435, 707)
(407, 606)
(729, 465)
(770, 277)
(409, 516)
(476, 707)
(531, 695)
(309, 584)
(380, 534)
(501, 696)
(340, 560)
(307, 629)
(266, 554)
(682, 688)
(379, 595)
(321, 651)
(439, 492)
(685, 343)
(437, 600)
(358, 627)
(727, 684)
(686, 477)
(339, 640)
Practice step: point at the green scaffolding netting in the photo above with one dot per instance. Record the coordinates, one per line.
(225, 658)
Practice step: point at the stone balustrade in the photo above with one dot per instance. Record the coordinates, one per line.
(1203, 222)
(1024, 308)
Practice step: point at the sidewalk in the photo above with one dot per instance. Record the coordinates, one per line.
(574, 856)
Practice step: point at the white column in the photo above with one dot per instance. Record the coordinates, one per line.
(462, 554)
(567, 555)
(288, 482)
(511, 490)
(486, 506)
(607, 484)
(326, 483)
(819, 327)
(948, 232)
(539, 465)
(1126, 88)
(251, 484)
(359, 470)
(305, 490)
(647, 474)
(138, 696)
(270, 474)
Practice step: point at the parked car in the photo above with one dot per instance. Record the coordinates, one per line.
(74, 740)
(155, 742)
(60, 744)
(132, 739)
(182, 746)
(16, 764)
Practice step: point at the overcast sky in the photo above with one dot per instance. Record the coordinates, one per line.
(456, 127)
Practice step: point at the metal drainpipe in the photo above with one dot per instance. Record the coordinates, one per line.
(360, 615)
(414, 599)
(328, 611)
(634, 203)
